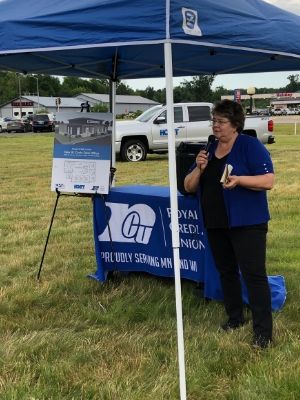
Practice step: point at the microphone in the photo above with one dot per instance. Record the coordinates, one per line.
(210, 141)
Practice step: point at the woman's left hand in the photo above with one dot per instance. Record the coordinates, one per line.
(232, 182)
(255, 182)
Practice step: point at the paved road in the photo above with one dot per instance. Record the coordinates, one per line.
(286, 119)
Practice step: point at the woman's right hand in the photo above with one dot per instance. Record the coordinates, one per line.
(191, 181)
(202, 160)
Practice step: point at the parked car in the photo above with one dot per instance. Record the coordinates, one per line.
(264, 111)
(29, 118)
(3, 123)
(43, 123)
(290, 111)
(277, 111)
(18, 125)
(261, 111)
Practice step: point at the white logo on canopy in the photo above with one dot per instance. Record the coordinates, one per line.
(190, 22)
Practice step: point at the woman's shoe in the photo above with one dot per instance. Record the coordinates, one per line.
(261, 342)
(232, 324)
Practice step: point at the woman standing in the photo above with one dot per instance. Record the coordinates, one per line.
(236, 216)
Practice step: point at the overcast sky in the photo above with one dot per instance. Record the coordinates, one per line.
(275, 79)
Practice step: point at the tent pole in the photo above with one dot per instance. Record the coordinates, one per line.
(174, 214)
(112, 106)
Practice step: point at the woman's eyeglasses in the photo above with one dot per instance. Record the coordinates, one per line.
(215, 121)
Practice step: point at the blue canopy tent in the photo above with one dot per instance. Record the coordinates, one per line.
(122, 39)
(118, 39)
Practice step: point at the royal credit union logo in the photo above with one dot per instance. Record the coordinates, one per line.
(190, 22)
(129, 224)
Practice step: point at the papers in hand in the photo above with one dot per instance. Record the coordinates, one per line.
(227, 171)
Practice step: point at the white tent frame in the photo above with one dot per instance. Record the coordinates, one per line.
(174, 214)
(173, 203)
(167, 43)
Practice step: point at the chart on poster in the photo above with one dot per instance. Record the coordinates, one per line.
(82, 152)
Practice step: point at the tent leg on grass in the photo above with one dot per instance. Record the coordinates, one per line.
(174, 215)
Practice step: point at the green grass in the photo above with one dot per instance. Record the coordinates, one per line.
(69, 337)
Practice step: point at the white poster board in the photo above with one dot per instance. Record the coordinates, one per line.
(82, 152)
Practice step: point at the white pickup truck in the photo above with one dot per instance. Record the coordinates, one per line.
(148, 133)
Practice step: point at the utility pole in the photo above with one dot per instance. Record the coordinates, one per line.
(20, 96)
(37, 91)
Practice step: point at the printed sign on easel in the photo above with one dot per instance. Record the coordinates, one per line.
(82, 152)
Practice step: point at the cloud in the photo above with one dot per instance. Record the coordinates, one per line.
(288, 5)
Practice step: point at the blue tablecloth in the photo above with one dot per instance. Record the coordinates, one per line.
(132, 233)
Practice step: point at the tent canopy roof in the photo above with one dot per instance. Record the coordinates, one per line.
(119, 39)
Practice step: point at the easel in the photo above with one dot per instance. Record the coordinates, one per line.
(58, 194)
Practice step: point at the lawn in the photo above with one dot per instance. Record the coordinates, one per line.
(69, 337)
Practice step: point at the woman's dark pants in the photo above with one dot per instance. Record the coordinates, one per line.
(244, 249)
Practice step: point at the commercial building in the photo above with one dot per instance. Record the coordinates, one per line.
(286, 100)
(29, 105)
(277, 100)
(124, 103)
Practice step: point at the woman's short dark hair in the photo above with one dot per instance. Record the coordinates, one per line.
(232, 111)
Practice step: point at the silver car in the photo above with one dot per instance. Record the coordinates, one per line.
(19, 125)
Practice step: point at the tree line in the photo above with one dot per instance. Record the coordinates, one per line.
(199, 88)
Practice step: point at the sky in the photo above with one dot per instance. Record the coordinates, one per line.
(234, 81)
